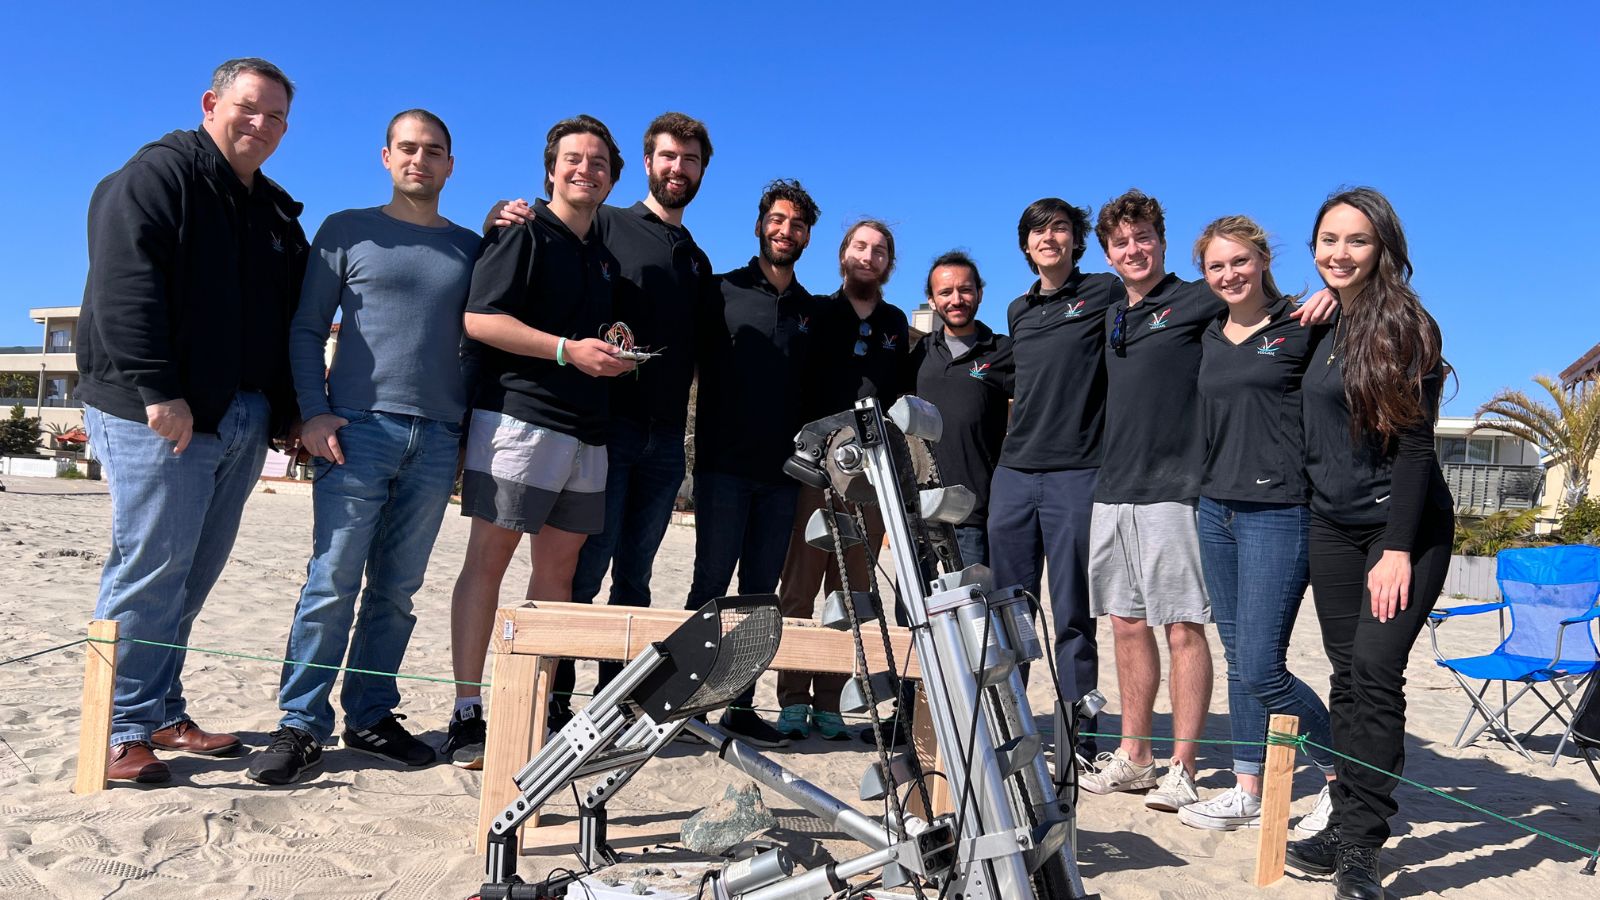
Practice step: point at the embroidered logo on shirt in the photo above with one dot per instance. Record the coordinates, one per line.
(277, 244)
(605, 270)
(1269, 348)
(804, 324)
(1074, 311)
(694, 267)
(890, 341)
(1159, 320)
(978, 370)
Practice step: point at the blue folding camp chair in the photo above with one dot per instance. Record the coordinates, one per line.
(1546, 591)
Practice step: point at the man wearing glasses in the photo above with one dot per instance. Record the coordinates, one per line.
(859, 344)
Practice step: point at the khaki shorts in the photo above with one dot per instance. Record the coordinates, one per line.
(1144, 563)
(523, 477)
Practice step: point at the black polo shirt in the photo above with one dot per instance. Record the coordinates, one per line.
(547, 278)
(753, 369)
(1154, 448)
(1250, 410)
(1366, 481)
(1061, 375)
(854, 358)
(665, 277)
(973, 394)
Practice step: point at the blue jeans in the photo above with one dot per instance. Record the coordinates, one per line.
(646, 466)
(974, 543)
(378, 515)
(1255, 560)
(173, 521)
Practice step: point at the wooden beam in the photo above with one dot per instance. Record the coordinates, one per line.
(926, 745)
(1277, 785)
(99, 682)
(519, 697)
(620, 633)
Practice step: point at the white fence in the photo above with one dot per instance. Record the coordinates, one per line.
(1472, 576)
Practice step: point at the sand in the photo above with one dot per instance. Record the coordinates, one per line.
(365, 829)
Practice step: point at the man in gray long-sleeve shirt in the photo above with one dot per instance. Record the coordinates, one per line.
(383, 424)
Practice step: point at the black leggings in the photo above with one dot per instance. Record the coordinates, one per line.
(1367, 701)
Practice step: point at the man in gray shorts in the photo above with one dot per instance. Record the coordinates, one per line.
(536, 456)
(1144, 545)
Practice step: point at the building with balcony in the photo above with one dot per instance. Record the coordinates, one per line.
(44, 377)
(1488, 470)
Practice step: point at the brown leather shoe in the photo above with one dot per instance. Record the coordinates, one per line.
(187, 737)
(134, 761)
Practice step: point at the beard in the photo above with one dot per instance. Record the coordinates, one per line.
(658, 190)
(945, 318)
(857, 278)
(784, 260)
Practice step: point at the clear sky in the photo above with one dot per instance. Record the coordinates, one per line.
(1479, 120)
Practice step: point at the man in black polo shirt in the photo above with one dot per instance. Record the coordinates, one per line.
(752, 353)
(967, 371)
(665, 278)
(1043, 489)
(859, 343)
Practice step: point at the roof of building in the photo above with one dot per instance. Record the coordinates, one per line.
(1586, 368)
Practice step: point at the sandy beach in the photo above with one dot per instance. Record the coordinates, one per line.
(364, 829)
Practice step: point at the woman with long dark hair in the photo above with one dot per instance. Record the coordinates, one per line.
(1253, 514)
(1381, 517)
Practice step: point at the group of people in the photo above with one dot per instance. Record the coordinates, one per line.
(1173, 453)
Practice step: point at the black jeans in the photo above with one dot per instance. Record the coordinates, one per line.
(1367, 700)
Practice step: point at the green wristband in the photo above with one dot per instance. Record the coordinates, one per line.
(561, 352)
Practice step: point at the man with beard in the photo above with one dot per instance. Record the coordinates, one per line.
(665, 279)
(967, 371)
(859, 344)
(753, 364)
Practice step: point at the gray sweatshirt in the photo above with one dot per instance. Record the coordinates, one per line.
(402, 289)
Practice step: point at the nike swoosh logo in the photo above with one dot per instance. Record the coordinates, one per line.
(1262, 480)
(1381, 499)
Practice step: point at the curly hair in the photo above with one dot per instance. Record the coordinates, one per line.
(1133, 206)
(787, 189)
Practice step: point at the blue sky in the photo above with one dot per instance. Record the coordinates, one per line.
(1477, 119)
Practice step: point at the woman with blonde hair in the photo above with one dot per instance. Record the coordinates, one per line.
(1252, 513)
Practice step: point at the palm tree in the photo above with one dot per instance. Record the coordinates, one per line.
(1569, 431)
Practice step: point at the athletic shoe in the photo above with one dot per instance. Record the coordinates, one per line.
(830, 725)
(1315, 821)
(894, 726)
(745, 725)
(1357, 877)
(390, 741)
(795, 721)
(290, 754)
(1175, 791)
(464, 744)
(1115, 772)
(1229, 810)
(1315, 855)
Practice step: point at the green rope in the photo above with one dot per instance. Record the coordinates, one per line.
(17, 659)
(1586, 851)
(290, 662)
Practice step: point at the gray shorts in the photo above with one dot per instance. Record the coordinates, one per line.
(523, 477)
(1144, 563)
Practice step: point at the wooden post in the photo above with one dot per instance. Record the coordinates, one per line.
(519, 697)
(926, 745)
(99, 681)
(1277, 784)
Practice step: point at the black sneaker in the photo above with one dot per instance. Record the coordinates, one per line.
(898, 733)
(745, 725)
(290, 754)
(464, 745)
(1357, 877)
(390, 741)
(1315, 855)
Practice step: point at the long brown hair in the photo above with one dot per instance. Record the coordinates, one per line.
(1387, 342)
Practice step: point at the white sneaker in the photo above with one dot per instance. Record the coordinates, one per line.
(1315, 821)
(1116, 772)
(1175, 791)
(1229, 810)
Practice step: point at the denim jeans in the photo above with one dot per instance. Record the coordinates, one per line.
(1254, 556)
(173, 521)
(974, 543)
(642, 483)
(377, 515)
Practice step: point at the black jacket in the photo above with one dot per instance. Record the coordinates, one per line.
(973, 393)
(193, 278)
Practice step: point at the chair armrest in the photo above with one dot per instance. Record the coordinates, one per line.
(1439, 615)
(1591, 615)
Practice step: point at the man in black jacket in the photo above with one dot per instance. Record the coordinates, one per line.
(195, 262)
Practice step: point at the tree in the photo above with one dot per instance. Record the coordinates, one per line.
(19, 435)
(1569, 431)
(18, 384)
